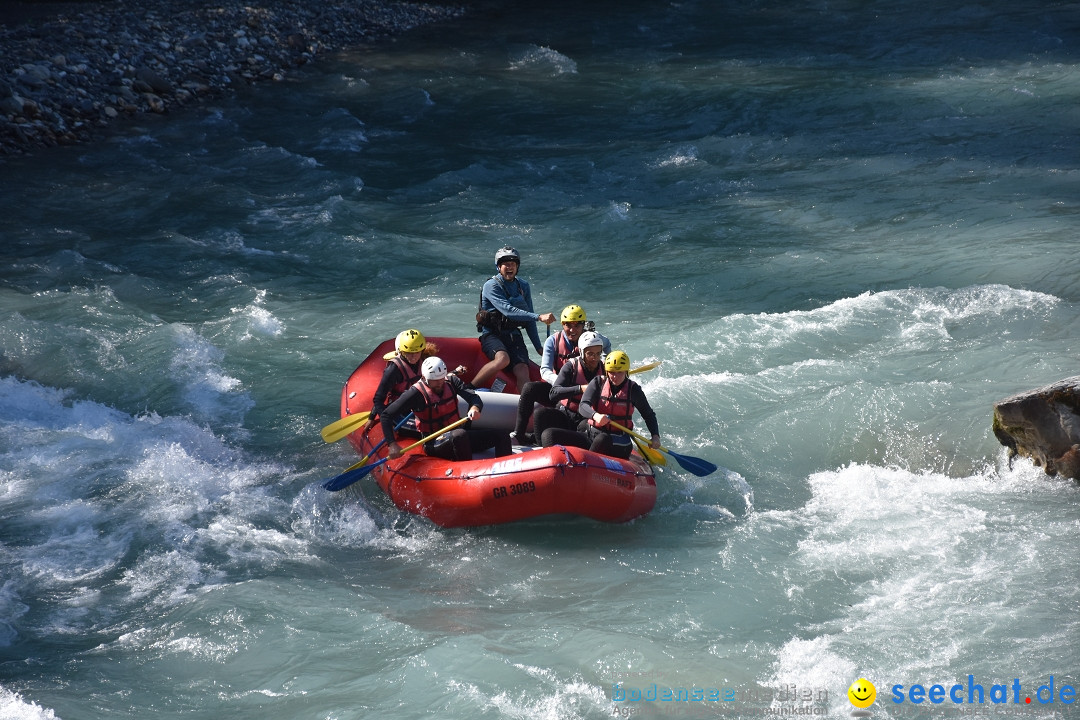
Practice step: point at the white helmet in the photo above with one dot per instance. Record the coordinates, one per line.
(507, 253)
(433, 369)
(589, 339)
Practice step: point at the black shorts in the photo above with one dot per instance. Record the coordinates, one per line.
(512, 343)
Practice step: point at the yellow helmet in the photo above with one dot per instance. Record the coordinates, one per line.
(617, 361)
(410, 341)
(573, 313)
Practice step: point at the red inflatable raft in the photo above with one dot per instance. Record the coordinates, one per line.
(488, 490)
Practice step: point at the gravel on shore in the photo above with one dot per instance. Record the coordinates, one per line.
(67, 75)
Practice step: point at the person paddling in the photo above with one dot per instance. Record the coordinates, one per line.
(558, 349)
(433, 399)
(563, 424)
(402, 370)
(615, 397)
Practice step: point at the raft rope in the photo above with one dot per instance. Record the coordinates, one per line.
(563, 466)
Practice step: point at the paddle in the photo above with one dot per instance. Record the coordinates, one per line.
(344, 427)
(652, 456)
(378, 446)
(647, 366)
(348, 477)
(694, 465)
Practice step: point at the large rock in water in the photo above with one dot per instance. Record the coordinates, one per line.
(1043, 425)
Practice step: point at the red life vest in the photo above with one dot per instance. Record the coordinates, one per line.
(409, 376)
(439, 410)
(564, 350)
(571, 403)
(616, 405)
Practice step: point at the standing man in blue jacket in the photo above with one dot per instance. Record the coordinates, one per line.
(505, 307)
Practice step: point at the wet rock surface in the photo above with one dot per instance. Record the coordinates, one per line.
(1044, 425)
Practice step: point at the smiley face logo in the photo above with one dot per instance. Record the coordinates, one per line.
(862, 693)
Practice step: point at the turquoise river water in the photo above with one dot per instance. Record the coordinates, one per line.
(846, 228)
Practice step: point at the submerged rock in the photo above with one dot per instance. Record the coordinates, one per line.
(1043, 425)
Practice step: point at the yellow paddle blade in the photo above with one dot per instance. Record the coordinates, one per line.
(344, 427)
(648, 366)
(653, 457)
(697, 466)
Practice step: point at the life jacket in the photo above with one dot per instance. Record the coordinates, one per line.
(570, 404)
(616, 404)
(439, 410)
(564, 350)
(409, 376)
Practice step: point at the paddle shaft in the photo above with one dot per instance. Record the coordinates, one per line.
(643, 368)
(650, 455)
(697, 466)
(348, 477)
(644, 444)
(628, 431)
(436, 434)
(375, 449)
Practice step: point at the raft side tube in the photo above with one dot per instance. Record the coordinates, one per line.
(499, 413)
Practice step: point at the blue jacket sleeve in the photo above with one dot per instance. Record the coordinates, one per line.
(495, 298)
(531, 327)
(547, 362)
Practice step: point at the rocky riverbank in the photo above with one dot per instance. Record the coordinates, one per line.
(69, 71)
